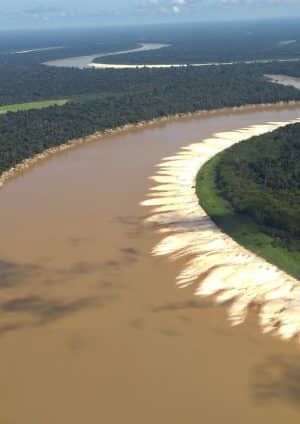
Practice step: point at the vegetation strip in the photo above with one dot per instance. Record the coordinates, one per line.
(240, 227)
(26, 133)
(239, 83)
(43, 153)
(32, 105)
(261, 179)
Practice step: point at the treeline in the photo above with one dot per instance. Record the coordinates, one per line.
(26, 83)
(261, 178)
(230, 50)
(285, 68)
(24, 79)
(26, 133)
(189, 43)
(231, 43)
(20, 84)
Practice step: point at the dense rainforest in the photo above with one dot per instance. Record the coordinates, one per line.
(233, 50)
(23, 78)
(102, 99)
(218, 42)
(152, 94)
(29, 83)
(261, 179)
(23, 134)
(192, 42)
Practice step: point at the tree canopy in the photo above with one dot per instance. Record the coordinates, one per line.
(261, 178)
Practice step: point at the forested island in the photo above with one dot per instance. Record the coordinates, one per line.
(252, 191)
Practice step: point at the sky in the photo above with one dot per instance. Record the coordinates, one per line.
(60, 13)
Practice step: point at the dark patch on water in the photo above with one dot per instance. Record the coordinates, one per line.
(45, 310)
(190, 304)
(277, 379)
(13, 273)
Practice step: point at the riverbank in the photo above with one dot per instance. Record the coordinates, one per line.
(31, 161)
(86, 61)
(221, 267)
(241, 228)
(79, 284)
(94, 61)
(112, 65)
(284, 80)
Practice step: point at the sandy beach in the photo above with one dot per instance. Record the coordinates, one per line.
(218, 265)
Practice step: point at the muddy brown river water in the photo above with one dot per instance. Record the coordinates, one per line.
(93, 328)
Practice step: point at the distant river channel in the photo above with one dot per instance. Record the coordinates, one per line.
(285, 80)
(82, 62)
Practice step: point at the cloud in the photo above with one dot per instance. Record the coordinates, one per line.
(109, 12)
(45, 13)
(165, 6)
(177, 5)
(251, 3)
(42, 9)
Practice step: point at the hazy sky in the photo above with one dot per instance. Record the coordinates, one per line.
(35, 13)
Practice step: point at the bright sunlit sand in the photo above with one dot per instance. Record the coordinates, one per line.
(217, 264)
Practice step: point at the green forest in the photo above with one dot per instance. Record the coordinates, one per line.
(24, 78)
(158, 94)
(257, 182)
(218, 42)
(28, 83)
(260, 177)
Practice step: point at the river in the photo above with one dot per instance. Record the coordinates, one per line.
(285, 80)
(93, 327)
(82, 62)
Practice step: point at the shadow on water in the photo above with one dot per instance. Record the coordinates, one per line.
(29, 310)
(45, 310)
(180, 306)
(35, 311)
(12, 273)
(277, 379)
(133, 226)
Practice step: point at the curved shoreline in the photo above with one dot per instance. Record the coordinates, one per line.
(243, 229)
(31, 161)
(222, 268)
(184, 65)
(86, 61)
(284, 80)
